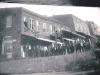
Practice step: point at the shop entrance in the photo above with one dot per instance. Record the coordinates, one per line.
(7, 46)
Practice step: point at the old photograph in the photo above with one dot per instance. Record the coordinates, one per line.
(49, 39)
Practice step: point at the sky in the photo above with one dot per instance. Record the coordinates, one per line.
(84, 13)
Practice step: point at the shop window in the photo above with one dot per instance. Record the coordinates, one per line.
(8, 21)
(44, 27)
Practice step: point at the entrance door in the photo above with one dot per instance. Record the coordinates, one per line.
(7, 46)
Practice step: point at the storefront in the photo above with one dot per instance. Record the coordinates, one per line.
(36, 47)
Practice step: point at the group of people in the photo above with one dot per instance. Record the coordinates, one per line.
(56, 49)
(83, 45)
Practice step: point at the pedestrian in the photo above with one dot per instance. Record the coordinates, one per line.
(82, 46)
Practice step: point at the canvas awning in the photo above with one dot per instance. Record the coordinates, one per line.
(98, 36)
(71, 34)
(86, 35)
(48, 40)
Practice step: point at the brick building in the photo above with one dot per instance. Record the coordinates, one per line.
(21, 29)
(73, 22)
(76, 25)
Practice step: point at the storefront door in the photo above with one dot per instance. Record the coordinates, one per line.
(7, 46)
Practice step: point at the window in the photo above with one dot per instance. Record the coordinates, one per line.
(95, 28)
(79, 28)
(58, 29)
(30, 23)
(44, 27)
(55, 28)
(51, 29)
(85, 30)
(37, 25)
(8, 21)
(33, 25)
(25, 20)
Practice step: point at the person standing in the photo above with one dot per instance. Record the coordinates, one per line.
(82, 46)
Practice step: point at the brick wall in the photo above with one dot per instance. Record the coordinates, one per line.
(14, 30)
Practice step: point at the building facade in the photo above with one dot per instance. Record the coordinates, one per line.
(22, 30)
(73, 22)
(76, 25)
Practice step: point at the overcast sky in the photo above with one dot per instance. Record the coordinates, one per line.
(84, 13)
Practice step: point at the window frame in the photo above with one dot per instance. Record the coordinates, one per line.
(3, 43)
(37, 25)
(44, 27)
(8, 18)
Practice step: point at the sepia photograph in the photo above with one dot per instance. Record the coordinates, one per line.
(49, 39)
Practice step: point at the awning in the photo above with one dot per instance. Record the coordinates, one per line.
(48, 40)
(71, 34)
(68, 39)
(78, 35)
(98, 36)
(86, 35)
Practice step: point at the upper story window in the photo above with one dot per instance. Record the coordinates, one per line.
(85, 30)
(31, 23)
(51, 29)
(58, 28)
(81, 28)
(44, 27)
(8, 21)
(37, 25)
(55, 28)
(95, 28)
(25, 21)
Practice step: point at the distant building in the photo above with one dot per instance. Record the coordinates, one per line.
(73, 22)
(94, 29)
(76, 25)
